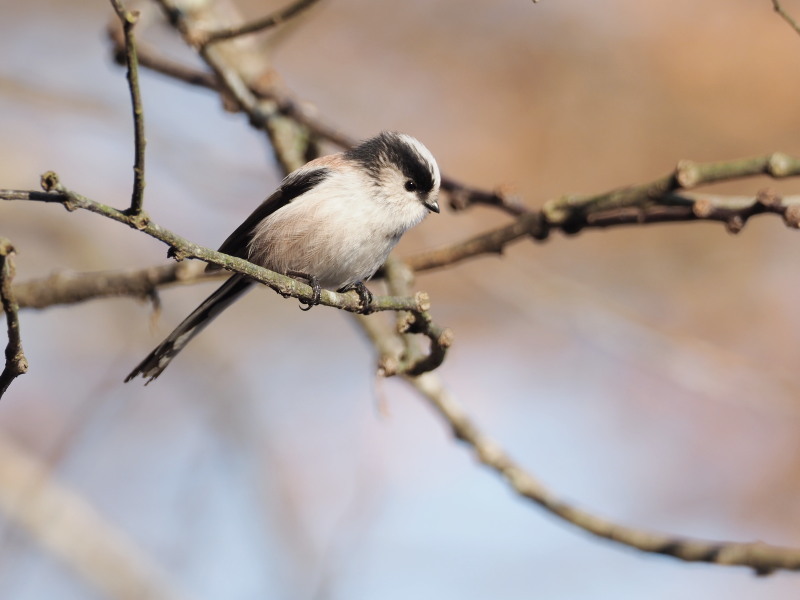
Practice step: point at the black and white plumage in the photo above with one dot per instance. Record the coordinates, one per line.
(333, 221)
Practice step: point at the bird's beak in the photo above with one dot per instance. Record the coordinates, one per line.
(432, 204)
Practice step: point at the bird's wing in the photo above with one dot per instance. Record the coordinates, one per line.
(295, 185)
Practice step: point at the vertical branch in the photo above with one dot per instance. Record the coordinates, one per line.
(16, 363)
(128, 20)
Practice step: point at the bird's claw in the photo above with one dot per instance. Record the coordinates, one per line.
(316, 289)
(364, 295)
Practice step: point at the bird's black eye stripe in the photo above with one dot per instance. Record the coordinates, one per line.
(390, 148)
(410, 186)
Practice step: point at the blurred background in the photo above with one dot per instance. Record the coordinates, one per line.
(646, 373)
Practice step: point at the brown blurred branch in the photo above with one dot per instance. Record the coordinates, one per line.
(16, 364)
(71, 529)
(128, 20)
(785, 15)
(71, 288)
(291, 148)
(659, 201)
(284, 103)
(267, 22)
(763, 558)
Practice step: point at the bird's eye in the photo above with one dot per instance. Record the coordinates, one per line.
(410, 186)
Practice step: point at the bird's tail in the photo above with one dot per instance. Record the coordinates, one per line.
(155, 362)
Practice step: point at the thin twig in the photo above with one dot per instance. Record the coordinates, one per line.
(786, 16)
(413, 361)
(263, 24)
(16, 363)
(463, 197)
(128, 20)
(150, 59)
(763, 558)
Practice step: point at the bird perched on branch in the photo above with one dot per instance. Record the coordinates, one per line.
(331, 222)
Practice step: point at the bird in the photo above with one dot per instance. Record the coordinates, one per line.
(332, 222)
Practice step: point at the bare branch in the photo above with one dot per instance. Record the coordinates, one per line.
(128, 20)
(763, 558)
(267, 22)
(180, 248)
(658, 201)
(150, 59)
(292, 148)
(463, 196)
(63, 522)
(785, 16)
(413, 361)
(71, 288)
(16, 363)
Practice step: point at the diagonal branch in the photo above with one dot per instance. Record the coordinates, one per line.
(180, 248)
(763, 558)
(785, 15)
(62, 521)
(659, 201)
(267, 22)
(291, 147)
(16, 363)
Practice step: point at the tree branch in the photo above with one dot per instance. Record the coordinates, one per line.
(65, 524)
(412, 361)
(263, 24)
(291, 147)
(763, 558)
(180, 248)
(785, 16)
(16, 363)
(71, 288)
(128, 20)
(658, 201)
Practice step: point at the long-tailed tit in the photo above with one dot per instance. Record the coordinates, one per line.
(332, 222)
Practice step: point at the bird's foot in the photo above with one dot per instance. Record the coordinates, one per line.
(364, 295)
(315, 287)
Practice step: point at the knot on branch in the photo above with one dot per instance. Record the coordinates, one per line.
(768, 199)
(779, 165)
(6, 247)
(735, 224)
(538, 225)
(138, 219)
(687, 175)
(50, 182)
(423, 301)
(792, 216)
(177, 254)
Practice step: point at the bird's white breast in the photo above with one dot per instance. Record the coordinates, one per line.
(340, 231)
